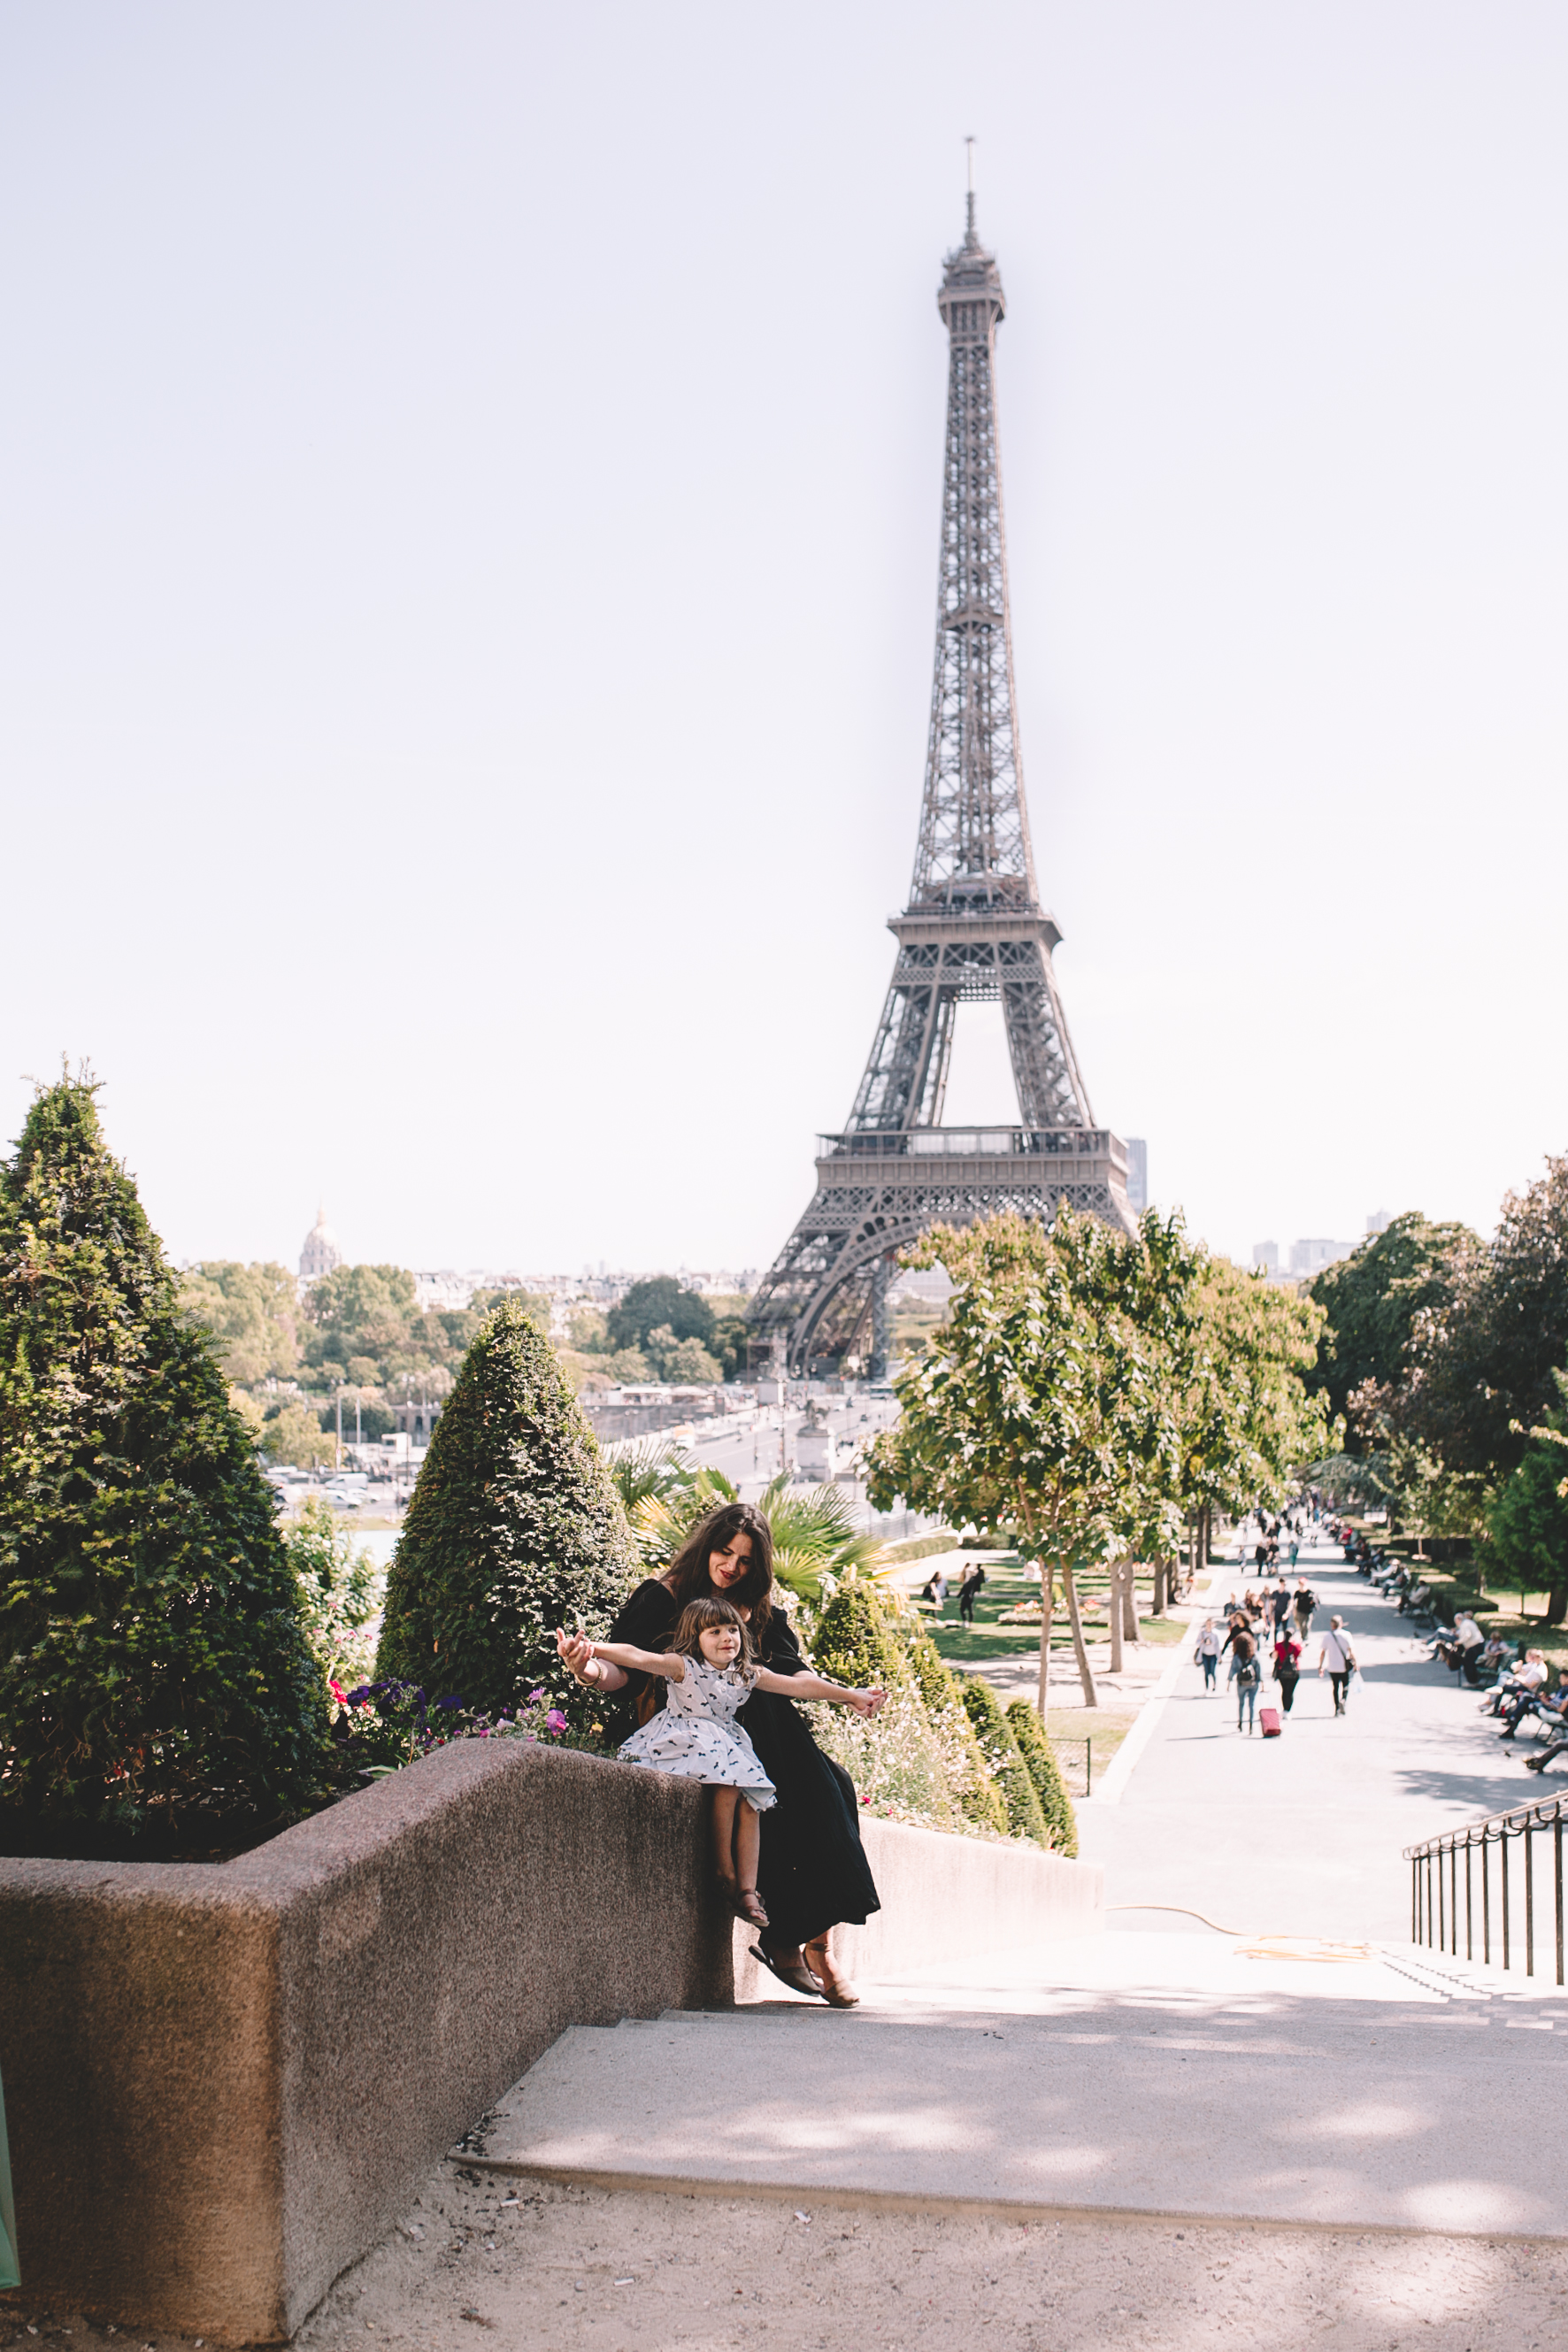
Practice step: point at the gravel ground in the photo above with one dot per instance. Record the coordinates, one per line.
(564, 2269)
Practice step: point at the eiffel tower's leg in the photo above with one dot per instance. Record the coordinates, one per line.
(1051, 1093)
(881, 1319)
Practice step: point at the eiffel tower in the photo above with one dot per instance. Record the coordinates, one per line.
(974, 932)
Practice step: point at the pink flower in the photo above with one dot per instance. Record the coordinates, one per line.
(338, 1693)
(555, 1720)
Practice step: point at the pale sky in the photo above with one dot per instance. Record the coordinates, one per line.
(469, 481)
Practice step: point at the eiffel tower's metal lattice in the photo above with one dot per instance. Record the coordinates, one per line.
(974, 930)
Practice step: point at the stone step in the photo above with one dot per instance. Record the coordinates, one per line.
(1280, 2109)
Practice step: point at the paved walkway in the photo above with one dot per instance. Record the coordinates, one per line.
(1302, 1835)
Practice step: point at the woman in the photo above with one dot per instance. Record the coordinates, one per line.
(1245, 1674)
(813, 1876)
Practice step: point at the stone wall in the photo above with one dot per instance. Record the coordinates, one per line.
(223, 2082)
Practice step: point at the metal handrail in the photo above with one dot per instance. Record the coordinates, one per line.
(1436, 1922)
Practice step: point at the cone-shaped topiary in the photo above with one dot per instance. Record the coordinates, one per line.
(855, 1642)
(1008, 1769)
(1040, 1757)
(514, 1528)
(157, 1690)
(978, 1796)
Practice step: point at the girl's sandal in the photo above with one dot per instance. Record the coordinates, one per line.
(748, 1905)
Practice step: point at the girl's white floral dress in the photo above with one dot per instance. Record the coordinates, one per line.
(695, 1734)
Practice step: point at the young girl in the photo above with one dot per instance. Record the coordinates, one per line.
(708, 1671)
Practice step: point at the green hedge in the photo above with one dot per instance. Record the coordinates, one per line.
(1008, 1769)
(1039, 1756)
(980, 1800)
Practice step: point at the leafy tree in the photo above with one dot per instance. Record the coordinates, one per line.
(1528, 1520)
(366, 1312)
(156, 1684)
(731, 1343)
(1482, 1359)
(514, 1528)
(1008, 1770)
(1373, 1300)
(682, 1361)
(1045, 1399)
(647, 1305)
(1248, 1420)
(293, 1435)
(251, 1313)
(1040, 1757)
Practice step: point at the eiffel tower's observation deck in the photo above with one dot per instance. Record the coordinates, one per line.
(974, 932)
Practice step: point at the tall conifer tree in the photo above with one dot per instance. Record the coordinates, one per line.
(156, 1687)
(515, 1530)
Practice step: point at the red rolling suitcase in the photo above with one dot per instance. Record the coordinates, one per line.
(1268, 1722)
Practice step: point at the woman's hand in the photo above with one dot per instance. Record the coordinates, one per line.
(868, 1702)
(577, 1652)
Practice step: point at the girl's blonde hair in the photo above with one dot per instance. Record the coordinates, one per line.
(700, 1617)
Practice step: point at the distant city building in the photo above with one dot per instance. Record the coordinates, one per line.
(1312, 1257)
(320, 1252)
(1378, 1223)
(1266, 1255)
(1137, 1174)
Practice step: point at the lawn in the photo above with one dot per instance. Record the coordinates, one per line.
(1006, 1586)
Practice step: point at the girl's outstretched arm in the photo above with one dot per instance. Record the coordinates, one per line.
(864, 1702)
(580, 1655)
(668, 1664)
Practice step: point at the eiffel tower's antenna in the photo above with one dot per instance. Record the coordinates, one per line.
(973, 929)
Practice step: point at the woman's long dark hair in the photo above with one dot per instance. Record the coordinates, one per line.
(687, 1575)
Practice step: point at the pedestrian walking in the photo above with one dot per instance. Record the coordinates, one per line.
(1246, 1673)
(1205, 1654)
(1280, 1607)
(1287, 1667)
(970, 1589)
(1306, 1601)
(1338, 1658)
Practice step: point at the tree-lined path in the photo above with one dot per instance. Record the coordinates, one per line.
(1302, 1835)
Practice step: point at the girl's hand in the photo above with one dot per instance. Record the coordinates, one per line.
(868, 1702)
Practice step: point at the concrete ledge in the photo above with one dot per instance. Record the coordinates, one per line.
(223, 2082)
(947, 1898)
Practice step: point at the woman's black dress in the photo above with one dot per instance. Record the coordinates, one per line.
(812, 1873)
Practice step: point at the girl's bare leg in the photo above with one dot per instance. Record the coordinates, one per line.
(724, 1803)
(729, 1845)
(748, 1844)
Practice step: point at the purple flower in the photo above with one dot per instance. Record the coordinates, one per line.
(534, 1697)
(555, 1720)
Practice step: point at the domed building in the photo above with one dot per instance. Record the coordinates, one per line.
(320, 1252)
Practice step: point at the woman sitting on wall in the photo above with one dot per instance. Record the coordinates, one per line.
(812, 1875)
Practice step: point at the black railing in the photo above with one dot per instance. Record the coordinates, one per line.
(1436, 1890)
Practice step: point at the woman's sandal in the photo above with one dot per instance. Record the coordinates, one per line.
(841, 1995)
(798, 1980)
(748, 1906)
